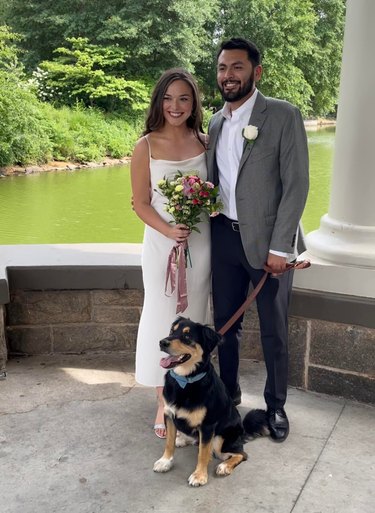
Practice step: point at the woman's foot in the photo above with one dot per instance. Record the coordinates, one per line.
(159, 426)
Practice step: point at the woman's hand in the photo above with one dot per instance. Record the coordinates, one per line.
(178, 232)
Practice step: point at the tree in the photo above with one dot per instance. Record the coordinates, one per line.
(160, 34)
(9, 53)
(87, 73)
(23, 129)
(2, 11)
(300, 40)
(46, 25)
(156, 34)
(322, 68)
(283, 31)
(301, 44)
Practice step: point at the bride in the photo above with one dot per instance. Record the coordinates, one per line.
(172, 141)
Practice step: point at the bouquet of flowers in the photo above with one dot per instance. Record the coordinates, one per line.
(189, 197)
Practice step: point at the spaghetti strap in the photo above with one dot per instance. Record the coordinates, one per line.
(149, 146)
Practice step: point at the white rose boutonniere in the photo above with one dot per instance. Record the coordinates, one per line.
(250, 133)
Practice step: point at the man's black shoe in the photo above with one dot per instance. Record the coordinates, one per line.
(278, 424)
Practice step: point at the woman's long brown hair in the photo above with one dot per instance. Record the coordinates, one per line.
(155, 118)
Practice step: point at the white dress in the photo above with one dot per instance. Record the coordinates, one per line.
(159, 310)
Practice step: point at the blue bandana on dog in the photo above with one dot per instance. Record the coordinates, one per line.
(183, 380)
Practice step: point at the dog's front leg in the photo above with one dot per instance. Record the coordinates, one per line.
(200, 475)
(166, 461)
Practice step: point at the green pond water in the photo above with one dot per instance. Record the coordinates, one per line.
(94, 205)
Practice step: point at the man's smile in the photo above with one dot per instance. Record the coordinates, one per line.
(231, 84)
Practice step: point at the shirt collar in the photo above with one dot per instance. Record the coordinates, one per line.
(245, 109)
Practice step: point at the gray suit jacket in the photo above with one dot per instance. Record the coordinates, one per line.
(273, 178)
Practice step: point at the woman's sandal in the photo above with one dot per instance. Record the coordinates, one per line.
(160, 430)
(159, 426)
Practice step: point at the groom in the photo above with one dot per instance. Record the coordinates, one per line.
(262, 172)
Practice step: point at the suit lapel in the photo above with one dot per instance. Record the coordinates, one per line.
(215, 130)
(214, 134)
(257, 118)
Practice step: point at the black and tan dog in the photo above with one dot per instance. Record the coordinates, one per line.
(197, 403)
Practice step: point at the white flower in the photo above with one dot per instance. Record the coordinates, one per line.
(250, 133)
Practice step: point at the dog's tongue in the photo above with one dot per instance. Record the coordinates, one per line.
(169, 361)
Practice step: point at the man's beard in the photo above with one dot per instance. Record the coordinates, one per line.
(235, 96)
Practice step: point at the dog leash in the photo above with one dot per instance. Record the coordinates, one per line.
(302, 264)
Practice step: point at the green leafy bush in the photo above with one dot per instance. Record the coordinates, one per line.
(82, 134)
(24, 131)
(34, 131)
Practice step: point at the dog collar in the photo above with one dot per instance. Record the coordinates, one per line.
(183, 380)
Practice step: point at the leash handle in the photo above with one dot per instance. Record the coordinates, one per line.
(298, 264)
(301, 264)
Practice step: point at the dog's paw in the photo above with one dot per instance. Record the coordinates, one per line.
(163, 465)
(183, 440)
(223, 469)
(198, 478)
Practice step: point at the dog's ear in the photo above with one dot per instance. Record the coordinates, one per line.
(211, 338)
(175, 322)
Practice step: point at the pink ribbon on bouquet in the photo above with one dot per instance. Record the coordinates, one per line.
(176, 274)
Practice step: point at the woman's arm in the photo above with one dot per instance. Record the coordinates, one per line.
(140, 179)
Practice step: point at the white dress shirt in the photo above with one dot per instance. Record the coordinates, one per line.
(229, 149)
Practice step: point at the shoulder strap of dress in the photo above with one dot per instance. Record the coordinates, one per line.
(149, 145)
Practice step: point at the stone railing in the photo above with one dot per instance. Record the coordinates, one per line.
(85, 308)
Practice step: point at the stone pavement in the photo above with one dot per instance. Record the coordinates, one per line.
(76, 436)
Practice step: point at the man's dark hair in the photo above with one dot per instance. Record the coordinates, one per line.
(239, 43)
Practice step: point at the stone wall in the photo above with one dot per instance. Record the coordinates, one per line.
(73, 321)
(327, 357)
(3, 345)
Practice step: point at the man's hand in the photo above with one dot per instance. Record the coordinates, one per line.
(276, 264)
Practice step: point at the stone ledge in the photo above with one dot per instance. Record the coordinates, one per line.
(69, 266)
(3, 343)
(4, 288)
(332, 307)
(75, 277)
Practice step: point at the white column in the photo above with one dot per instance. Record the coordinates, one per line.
(342, 250)
(347, 233)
